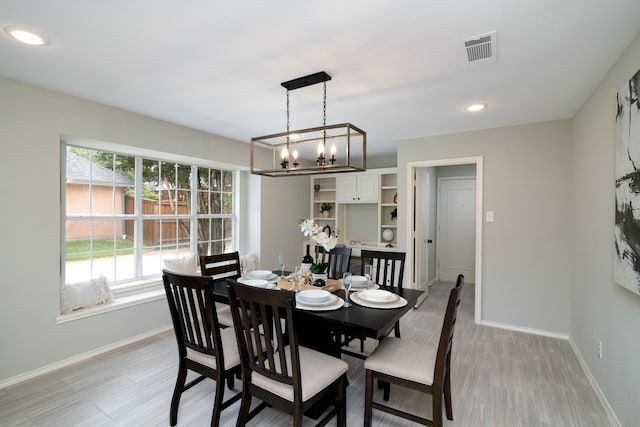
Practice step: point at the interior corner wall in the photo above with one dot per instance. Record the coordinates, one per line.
(600, 309)
(285, 202)
(526, 271)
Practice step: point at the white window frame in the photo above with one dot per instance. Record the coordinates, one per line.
(141, 289)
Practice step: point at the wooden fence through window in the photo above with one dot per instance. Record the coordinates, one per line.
(158, 231)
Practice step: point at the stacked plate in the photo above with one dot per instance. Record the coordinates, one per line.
(315, 298)
(262, 275)
(359, 282)
(378, 296)
(258, 283)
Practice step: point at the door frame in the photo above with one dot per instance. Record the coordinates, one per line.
(478, 161)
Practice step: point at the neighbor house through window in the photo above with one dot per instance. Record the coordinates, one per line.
(124, 214)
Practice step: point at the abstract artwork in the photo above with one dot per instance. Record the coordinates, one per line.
(627, 222)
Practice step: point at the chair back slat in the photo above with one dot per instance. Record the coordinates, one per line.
(221, 266)
(193, 313)
(255, 310)
(339, 262)
(387, 267)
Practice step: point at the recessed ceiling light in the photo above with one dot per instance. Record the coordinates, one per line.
(476, 107)
(27, 37)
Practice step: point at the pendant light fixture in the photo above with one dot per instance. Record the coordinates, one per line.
(320, 150)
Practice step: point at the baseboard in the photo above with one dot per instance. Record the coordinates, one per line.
(615, 422)
(79, 358)
(526, 330)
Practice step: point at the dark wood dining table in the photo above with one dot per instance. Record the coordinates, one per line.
(319, 329)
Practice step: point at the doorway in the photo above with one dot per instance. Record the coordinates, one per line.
(462, 178)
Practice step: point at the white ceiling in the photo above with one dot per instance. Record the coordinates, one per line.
(398, 66)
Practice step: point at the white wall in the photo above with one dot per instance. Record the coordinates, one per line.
(600, 309)
(526, 271)
(31, 122)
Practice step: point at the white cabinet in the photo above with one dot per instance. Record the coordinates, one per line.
(358, 188)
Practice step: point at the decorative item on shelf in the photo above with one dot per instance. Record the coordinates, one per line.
(319, 150)
(387, 234)
(394, 214)
(316, 190)
(325, 209)
(321, 238)
(395, 198)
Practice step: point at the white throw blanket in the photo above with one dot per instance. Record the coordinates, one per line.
(84, 294)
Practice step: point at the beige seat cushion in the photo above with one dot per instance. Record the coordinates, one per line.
(317, 370)
(403, 359)
(229, 348)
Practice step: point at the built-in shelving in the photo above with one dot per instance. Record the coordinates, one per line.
(357, 219)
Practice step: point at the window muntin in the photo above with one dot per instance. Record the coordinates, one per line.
(125, 214)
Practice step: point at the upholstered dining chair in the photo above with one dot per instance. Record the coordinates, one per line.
(222, 267)
(339, 261)
(203, 347)
(282, 374)
(420, 367)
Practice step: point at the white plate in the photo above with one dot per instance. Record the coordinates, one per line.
(313, 296)
(272, 278)
(400, 302)
(331, 299)
(258, 283)
(360, 281)
(378, 295)
(360, 287)
(259, 274)
(334, 305)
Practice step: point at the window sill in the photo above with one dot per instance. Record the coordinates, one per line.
(123, 296)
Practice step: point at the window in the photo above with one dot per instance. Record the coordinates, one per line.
(124, 214)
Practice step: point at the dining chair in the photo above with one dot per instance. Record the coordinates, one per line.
(222, 267)
(417, 366)
(282, 374)
(339, 261)
(387, 270)
(203, 347)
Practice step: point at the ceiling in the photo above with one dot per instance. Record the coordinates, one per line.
(398, 67)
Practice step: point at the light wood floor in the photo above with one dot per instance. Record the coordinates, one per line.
(499, 378)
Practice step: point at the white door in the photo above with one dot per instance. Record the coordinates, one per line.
(456, 229)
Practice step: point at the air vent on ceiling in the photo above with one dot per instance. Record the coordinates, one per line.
(482, 48)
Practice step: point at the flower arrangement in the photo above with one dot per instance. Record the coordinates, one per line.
(328, 242)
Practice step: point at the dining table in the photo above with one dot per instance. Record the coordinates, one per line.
(322, 329)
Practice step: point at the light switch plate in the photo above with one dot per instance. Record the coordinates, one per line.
(489, 216)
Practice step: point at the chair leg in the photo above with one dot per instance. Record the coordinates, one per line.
(397, 329)
(368, 398)
(437, 409)
(243, 414)
(177, 392)
(386, 391)
(341, 397)
(230, 381)
(217, 402)
(297, 417)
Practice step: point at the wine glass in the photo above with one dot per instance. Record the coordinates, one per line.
(367, 273)
(296, 279)
(281, 261)
(346, 280)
